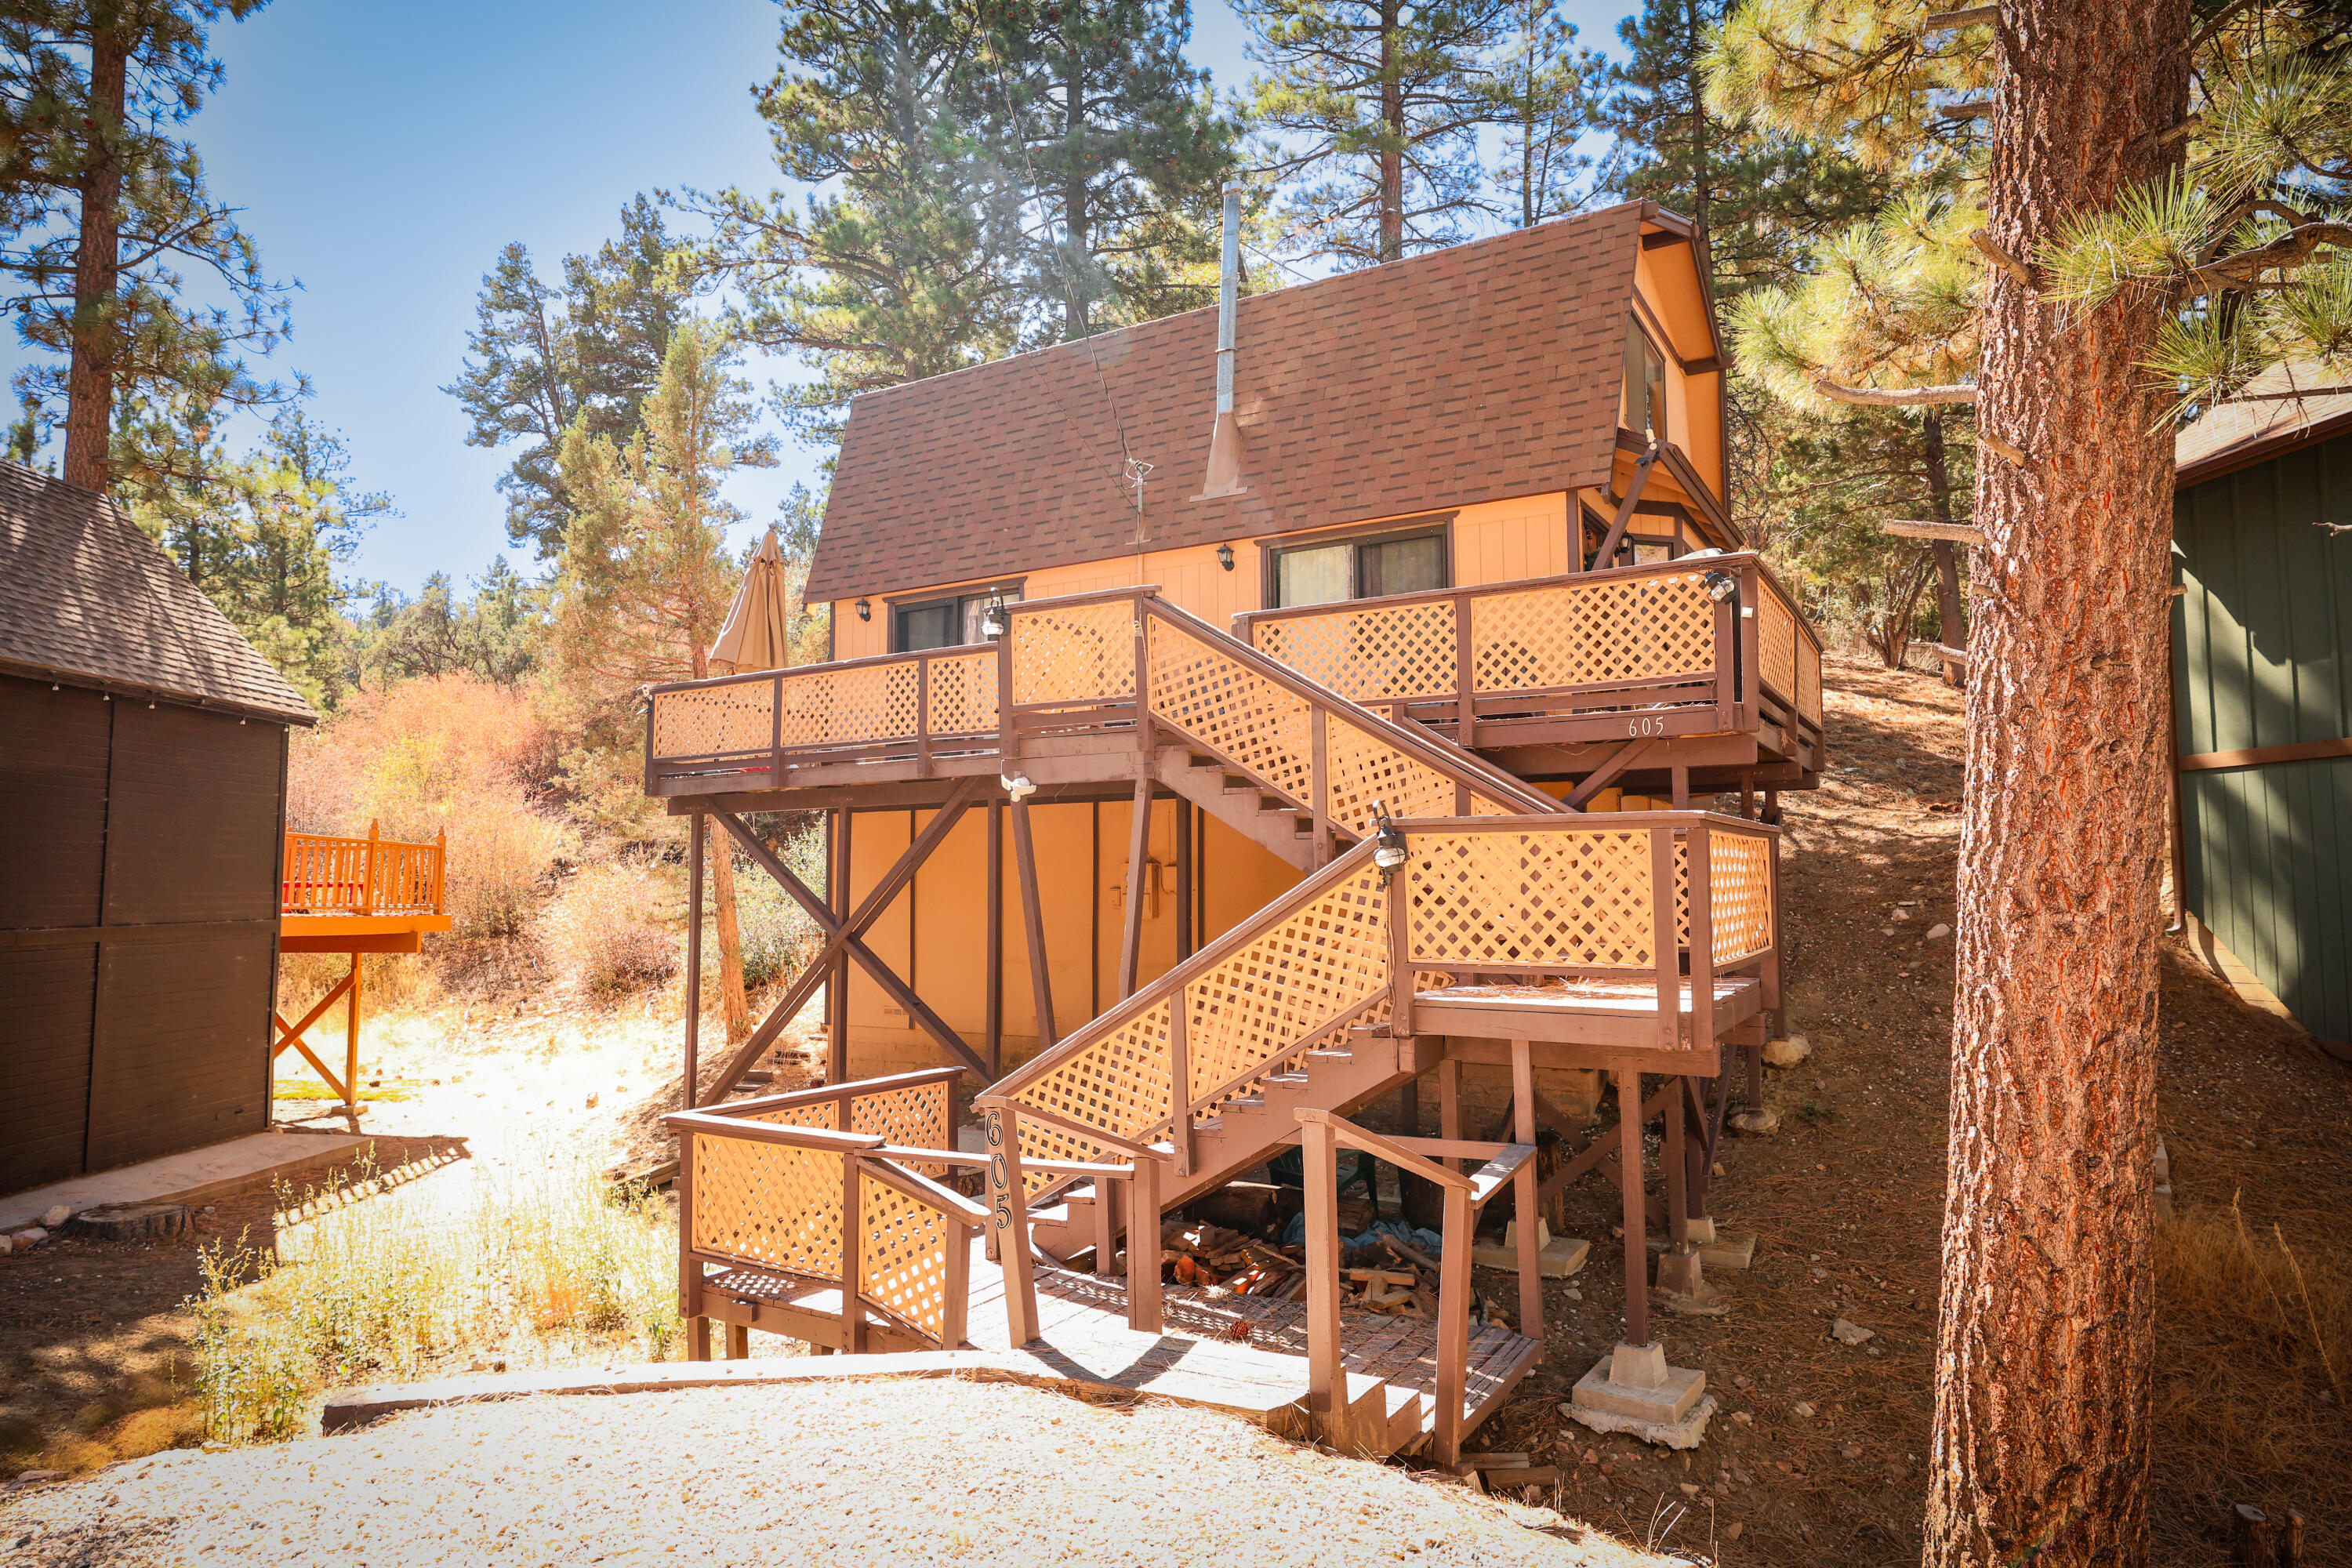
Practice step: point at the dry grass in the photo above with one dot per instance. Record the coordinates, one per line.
(606, 933)
(541, 1262)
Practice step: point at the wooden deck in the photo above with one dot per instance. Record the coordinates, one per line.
(1201, 1358)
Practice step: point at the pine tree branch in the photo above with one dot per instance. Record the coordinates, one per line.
(2291, 248)
(1952, 21)
(1983, 240)
(1896, 398)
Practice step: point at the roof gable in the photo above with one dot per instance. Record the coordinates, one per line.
(85, 593)
(1477, 372)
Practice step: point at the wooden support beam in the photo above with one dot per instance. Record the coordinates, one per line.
(351, 1032)
(1593, 783)
(870, 908)
(995, 959)
(1032, 924)
(1616, 535)
(836, 994)
(1009, 1218)
(1327, 1378)
(1637, 1253)
(1524, 1186)
(1139, 848)
(1143, 1248)
(898, 989)
(696, 832)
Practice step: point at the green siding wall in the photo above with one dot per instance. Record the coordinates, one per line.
(2262, 657)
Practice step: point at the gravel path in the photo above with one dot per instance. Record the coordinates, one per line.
(881, 1473)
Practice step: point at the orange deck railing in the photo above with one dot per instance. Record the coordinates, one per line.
(371, 876)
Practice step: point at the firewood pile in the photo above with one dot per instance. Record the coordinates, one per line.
(1382, 1275)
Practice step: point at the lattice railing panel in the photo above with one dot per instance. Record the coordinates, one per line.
(822, 1114)
(769, 1205)
(1739, 894)
(1808, 680)
(1620, 629)
(1571, 897)
(847, 705)
(1776, 643)
(1119, 1083)
(1077, 654)
(714, 721)
(1251, 1012)
(1369, 654)
(964, 694)
(902, 1257)
(1367, 769)
(1256, 721)
(915, 1118)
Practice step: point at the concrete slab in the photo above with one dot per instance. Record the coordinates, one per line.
(1613, 1390)
(1686, 1433)
(189, 1176)
(1557, 1259)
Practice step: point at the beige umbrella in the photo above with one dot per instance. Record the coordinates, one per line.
(752, 637)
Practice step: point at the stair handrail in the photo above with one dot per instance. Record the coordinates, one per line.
(1469, 771)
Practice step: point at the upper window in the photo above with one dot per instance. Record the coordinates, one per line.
(1646, 381)
(1362, 568)
(945, 622)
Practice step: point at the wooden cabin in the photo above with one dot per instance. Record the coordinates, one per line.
(2261, 651)
(1242, 723)
(143, 806)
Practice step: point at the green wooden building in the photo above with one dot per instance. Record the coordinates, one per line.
(2262, 668)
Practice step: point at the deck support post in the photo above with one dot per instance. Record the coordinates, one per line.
(837, 1008)
(1186, 920)
(1524, 1194)
(689, 1267)
(1139, 848)
(739, 1342)
(1008, 1203)
(1143, 1301)
(1453, 1324)
(352, 1038)
(1032, 925)
(853, 1287)
(1449, 1105)
(1629, 1155)
(694, 835)
(1327, 1379)
(995, 959)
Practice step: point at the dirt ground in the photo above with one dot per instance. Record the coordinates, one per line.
(1844, 1202)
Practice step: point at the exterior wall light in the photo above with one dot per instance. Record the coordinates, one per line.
(1225, 556)
(1720, 585)
(1387, 848)
(865, 611)
(993, 621)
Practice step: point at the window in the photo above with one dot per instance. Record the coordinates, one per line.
(1646, 381)
(945, 623)
(1362, 568)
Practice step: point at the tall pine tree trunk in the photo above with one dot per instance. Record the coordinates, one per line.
(1698, 118)
(1077, 221)
(2042, 1374)
(1393, 143)
(1947, 569)
(98, 271)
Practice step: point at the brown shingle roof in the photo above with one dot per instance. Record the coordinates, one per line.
(84, 592)
(1477, 372)
(2234, 435)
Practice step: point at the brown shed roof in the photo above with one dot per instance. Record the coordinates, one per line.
(2232, 435)
(1477, 372)
(85, 593)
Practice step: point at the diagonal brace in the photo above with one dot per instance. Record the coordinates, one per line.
(834, 926)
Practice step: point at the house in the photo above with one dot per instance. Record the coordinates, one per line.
(1245, 721)
(142, 802)
(2261, 651)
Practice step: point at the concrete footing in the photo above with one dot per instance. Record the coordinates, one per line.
(1755, 1123)
(1632, 1389)
(1557, 1257)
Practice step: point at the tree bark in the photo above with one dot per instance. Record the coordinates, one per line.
(1948, 570)
(2042, 1379)
(1077, 221)
(1392, 121)
(98, 272)
(1698, 120)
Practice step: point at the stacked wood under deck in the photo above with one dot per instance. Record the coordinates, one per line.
(1513, 930)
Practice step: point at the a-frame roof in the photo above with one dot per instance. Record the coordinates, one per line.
(1477, 372)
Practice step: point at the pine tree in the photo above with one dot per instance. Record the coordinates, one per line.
(646, 578)
(900, 263)
(1115, 140)
(1374, 108)
(104, 206)
(1543, 87)
(494, 634)
(544, 357)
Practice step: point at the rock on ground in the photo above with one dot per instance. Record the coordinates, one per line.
(897, 1472)
(1787, 1053)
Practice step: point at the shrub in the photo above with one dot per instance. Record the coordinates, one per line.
(609, 932)
(777, 933)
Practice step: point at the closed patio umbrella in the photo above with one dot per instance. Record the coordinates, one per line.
(752, 635)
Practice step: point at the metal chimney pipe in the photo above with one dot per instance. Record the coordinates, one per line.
(1225, 475)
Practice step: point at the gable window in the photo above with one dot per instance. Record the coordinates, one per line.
(1402, 562)
(950, 621)
(1646, 381)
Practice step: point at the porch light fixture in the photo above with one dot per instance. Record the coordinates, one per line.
(992, 620)
(1388, 847)
(1225, 556)
(1018, 786)
(865, 611)
(1720, 585)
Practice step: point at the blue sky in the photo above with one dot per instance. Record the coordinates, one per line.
(383, 153)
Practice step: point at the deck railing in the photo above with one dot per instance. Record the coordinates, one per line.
(1629, 652)
(1072, 666)
(828, 1187)
(1532, 897)
(371, 876)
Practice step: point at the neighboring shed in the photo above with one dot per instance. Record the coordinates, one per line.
(2262, 690)
(142, 805)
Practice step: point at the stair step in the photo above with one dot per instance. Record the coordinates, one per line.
(1330, 1056)
(1287, 1080)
